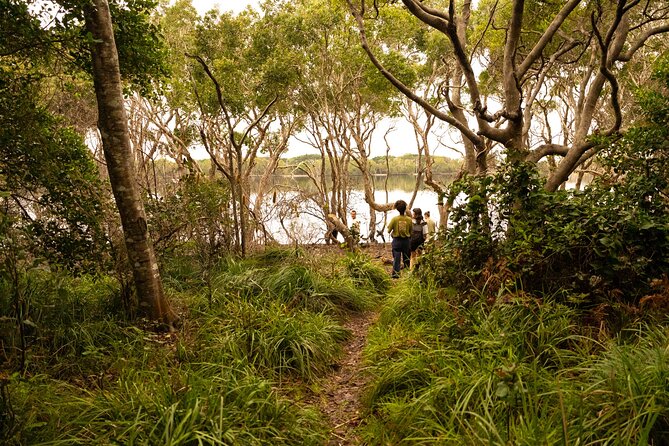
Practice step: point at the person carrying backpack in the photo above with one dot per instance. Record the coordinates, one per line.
(418, 235)
(400, 230)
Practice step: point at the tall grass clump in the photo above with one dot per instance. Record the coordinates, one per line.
(366, 274)
(181, 273)
(270, 338)
(224, 404)
(518, 371)
(300, 287)
(287, 276)
(627, 394)
(275, 313)
(236, 277)
(61, 323)
(57, 299)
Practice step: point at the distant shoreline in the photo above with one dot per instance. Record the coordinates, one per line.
(356, 175)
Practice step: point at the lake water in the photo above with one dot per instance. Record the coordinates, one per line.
(292, 219)
(303, 223)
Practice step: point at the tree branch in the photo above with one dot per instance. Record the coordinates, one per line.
(640, 41)
(604, 69)
(547, 36)
(219, 95)
(467, 133)
(546, 150)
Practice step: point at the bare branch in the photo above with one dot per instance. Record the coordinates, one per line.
(546, 150)
(430, 16)
(219, 93)
(468, 133)
(640, 41)
(485, 30)
(547, 36)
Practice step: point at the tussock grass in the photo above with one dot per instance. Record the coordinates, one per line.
(205, 404)
(628, 385)
(366, 274)
(514, 372)
(92, 377)
(291, 280)
(271, 338)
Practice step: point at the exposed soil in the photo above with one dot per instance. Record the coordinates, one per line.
(381, 252)
(339, 399)
(340, 392)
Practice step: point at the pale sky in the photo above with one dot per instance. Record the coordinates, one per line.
(203, 6)
(401, 139)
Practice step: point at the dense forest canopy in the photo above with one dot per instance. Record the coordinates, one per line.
(149, 285)
(537, 79)
(491, 77)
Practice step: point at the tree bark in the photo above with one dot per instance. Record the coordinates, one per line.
(113, 126)
(617, 31)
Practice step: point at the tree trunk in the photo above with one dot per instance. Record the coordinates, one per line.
(113, 126)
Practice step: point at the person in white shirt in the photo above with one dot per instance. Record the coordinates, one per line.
(357, 227)
(431, 226)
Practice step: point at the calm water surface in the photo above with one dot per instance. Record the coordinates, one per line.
(305, 224)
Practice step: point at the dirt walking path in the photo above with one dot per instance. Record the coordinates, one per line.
(340, 392)
(339, 399)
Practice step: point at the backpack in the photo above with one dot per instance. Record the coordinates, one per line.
(417, 237)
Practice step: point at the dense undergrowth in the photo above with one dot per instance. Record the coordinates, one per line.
(519, 371)
(538, 318)
(519, 328)
(90, 377)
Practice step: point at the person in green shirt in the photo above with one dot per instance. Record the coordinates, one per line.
(400, 230)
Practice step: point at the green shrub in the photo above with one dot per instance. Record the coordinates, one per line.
(510, 233)
(367, 274)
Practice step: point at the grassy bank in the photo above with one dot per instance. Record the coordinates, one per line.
(255, 327)
(258, 335)
(519, 371)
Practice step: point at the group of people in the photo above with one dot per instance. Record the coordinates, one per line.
(409, 231)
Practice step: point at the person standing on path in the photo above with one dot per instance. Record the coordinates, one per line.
(400, 230)
(431, 226)
(418, 235)
(357, 228)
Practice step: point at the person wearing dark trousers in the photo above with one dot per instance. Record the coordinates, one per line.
(419, 232)
(400, 230)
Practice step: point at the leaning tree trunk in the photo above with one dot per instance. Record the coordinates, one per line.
(113, 126)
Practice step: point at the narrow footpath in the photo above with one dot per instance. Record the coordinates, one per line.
(339, 399)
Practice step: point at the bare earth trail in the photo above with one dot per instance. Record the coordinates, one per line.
(339, 398)
(340, 392)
